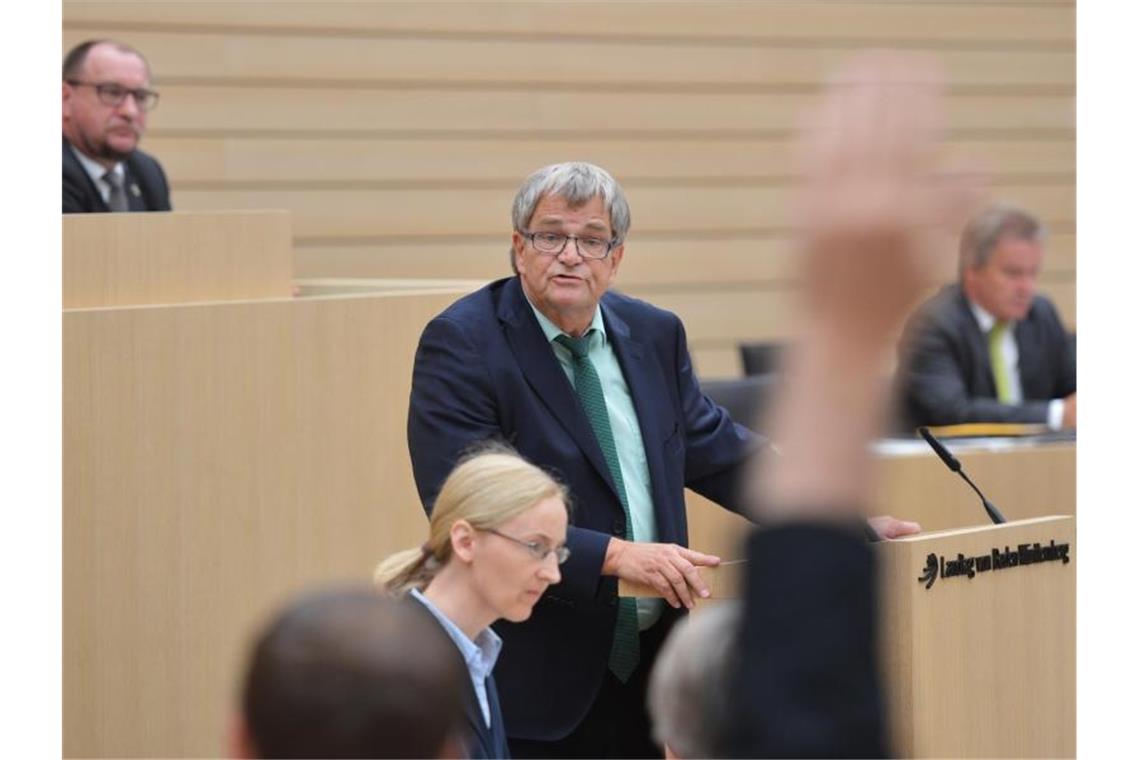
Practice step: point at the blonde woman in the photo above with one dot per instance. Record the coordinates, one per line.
(497, 537)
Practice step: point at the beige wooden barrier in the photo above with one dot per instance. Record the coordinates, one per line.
(218, 457)
(1024, 481)
(977, 663)
(175, 257)
(981, 666)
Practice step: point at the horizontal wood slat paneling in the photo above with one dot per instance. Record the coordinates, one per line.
(332, 214)
(649, 263)
(449, 160)
(728, 317)
(180, 56)
(966, 24)
(285, 111)
(396, 133)
(716, 362)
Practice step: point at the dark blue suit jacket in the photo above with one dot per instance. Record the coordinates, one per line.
(479, 741)
(486, 742)
(484, 370)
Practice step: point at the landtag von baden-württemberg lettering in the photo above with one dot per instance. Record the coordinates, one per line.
(1026, 554)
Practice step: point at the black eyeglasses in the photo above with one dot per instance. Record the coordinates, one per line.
(553, 243)
(111, 94)
(538, 549)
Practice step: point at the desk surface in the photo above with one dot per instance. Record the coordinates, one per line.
(1024, 478)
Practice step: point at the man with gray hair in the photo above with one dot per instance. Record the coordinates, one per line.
(688, 693)
(599, 388)
(990, 348)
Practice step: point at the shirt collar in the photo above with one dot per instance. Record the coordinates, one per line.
(985, 319)
(552, 331)
(481, 654)
(94, 169)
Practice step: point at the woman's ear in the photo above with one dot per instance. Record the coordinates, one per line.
(463, 540)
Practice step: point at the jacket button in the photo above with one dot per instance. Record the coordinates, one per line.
(619, 528)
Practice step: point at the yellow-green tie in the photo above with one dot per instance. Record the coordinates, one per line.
(997, 362)
(626, 649)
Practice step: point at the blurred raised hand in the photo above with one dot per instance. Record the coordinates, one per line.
(874, 212)
(874, 209)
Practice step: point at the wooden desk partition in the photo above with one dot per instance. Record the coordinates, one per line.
(1024, 481)
(218, 457)
(980, 663)
(175, 257)
(982, 666)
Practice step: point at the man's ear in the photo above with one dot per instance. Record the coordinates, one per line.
(616, 255)
(463, 540)
(968, 276)
(240, 743)
(518, 245)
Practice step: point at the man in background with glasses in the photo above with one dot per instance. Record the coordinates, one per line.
(106, 99)
(599, 388)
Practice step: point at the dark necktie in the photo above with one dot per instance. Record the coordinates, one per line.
(626, 648)
(117, 201)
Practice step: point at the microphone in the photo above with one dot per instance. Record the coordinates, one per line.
(955, 466)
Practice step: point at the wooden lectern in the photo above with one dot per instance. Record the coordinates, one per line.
(978, 638)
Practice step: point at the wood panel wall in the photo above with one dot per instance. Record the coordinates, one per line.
(397, 132)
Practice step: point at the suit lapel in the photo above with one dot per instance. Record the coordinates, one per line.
(538, 363)
(649, 400)
(978, 343)
(73, 163)
(498, 731)
(480, 734)
(133, 188)
(1032, 369)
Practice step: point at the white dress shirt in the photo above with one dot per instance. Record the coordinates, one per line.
(1011, 359)
(96, 170)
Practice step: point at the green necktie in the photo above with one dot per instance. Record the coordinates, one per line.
(626, 649)
(997, 362)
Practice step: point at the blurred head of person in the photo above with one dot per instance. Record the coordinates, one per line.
(1000, 258)
(106, 99)
(570, 221)
(496, 540)
(350, 672)
(688, 692)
